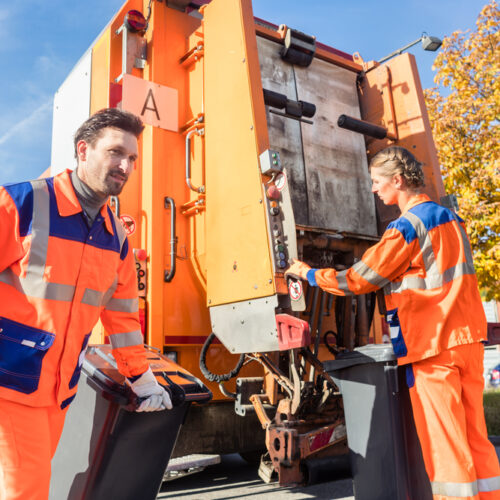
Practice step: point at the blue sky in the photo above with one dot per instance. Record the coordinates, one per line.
(40, 42)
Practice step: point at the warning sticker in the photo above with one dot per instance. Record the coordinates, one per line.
(295, 290)
(280, 181)
(128, 223)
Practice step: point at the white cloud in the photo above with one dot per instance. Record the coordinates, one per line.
(39, 114)
(49, 67)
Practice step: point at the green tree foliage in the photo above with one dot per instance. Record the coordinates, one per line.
(464, 114)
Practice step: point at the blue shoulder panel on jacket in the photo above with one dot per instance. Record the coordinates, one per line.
(22, 195)
(72, 228)
(432, 214)
(404, 227)
(124, 251)
(75, 228)
(101, 238)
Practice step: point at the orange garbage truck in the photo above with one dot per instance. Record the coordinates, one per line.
(255, 151)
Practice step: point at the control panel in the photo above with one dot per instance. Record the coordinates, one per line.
(270, 162)
(140, 256)
(280, 254)
(282, 230)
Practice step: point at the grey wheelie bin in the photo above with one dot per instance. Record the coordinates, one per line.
(386, 459)
(109, 451)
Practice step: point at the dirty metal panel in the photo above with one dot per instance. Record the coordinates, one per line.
(254, 321)
(338, 181)
(327, 166)
(284, 134)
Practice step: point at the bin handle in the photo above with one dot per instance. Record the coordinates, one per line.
(199, 397)
(177, 393)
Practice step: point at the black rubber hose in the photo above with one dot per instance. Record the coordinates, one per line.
(214, 377)
(328, 346)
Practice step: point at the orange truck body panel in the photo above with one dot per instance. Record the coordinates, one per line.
(223, 250)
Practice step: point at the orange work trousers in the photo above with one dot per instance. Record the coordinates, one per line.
(447, 401)
(28, 441)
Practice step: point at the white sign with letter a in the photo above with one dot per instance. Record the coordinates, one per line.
(155, 104)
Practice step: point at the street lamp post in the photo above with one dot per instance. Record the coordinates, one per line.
(431, 43)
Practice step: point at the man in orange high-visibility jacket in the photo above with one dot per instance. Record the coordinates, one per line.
(423, 262)
(65, 261)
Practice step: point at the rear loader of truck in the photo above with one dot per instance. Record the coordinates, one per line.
(255, 151)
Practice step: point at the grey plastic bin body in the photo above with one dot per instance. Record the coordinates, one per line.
(107, 451)
(385, 454)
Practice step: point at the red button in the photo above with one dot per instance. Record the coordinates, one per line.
(140, 254)
(273, 192)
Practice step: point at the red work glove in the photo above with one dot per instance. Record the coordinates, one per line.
(298, 270)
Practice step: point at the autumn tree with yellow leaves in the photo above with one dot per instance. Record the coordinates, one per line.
(465, 118)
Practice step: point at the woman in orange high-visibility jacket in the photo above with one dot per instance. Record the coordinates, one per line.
(60, 271)
(423, 262)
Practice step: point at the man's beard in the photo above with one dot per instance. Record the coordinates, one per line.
(113, 187)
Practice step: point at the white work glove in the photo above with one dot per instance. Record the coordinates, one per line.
(297, 270)
(146, 386)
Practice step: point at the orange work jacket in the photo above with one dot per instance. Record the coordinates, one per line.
(57, 277)
(424, 264)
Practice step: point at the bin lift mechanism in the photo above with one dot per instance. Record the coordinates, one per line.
(308, 421)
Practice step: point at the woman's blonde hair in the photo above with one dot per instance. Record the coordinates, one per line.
(396, 160)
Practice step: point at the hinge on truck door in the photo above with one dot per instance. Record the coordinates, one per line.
(298, 48)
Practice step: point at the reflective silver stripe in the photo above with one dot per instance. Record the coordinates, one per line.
(466, 243)
(433, 278)
(367, 273)
(96, 298)
(342, 282)
(110, 291)
(457, 271)
(123, 305)
(9, 278)
(92, 297)
(126, 339)
(33, 284)
(57, 291)
(489, 484)
(39, 230)
(43, 290)
(430, 282)
(120, 231)
(461, 490)
(424, 241)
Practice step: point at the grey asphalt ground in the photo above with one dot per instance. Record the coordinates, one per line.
(234, 478)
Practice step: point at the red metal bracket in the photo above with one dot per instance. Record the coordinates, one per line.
(292, 332)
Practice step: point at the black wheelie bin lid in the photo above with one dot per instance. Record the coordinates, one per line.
(101, 369)
(370, 353)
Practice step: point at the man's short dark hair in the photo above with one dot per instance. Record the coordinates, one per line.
(90, 129)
